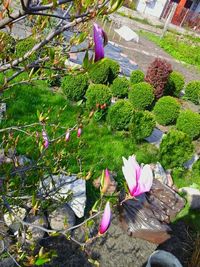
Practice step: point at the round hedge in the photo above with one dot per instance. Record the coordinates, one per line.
(175, 149)
(119, 115)
(97, 94)
(192, 91)
(104, 71)
(142, 124)
(141, 95)
(75, 86)
(120, 87)
(175, 83)
(137, 76)
(189, 123)
(24, 46)
(166, 110)
(7, 45)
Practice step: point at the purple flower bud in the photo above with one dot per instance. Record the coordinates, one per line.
(105, 221)
(100, 39)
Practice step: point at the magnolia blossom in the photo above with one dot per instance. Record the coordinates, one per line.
(67, 136)
(139, 179)
(100, 39)
(45, 138)
(105, 181)
(105, 221)
(79, 132)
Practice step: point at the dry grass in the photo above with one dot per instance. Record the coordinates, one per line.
(195, 259)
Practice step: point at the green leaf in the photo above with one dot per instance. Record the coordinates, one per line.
(41, 261)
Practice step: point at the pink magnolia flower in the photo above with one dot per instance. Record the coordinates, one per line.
(106, 218)
(45, 138)
(79, 132)
(139, 179)
(67, 136)
(105, 181)
(100, 39)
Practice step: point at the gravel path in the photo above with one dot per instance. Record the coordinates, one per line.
(144, 52)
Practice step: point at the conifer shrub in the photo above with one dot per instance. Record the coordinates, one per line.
(120, 87)
(7, 45)
(175, 84)
(24, 46)
(192, 91)
(189, 123)
(75, 86)
(142, 124)
(104, 71)
(119, 115)
(157, 75)
(141, 96)
(137, 76)
(166, 110)
(98, 95)
(175, 149)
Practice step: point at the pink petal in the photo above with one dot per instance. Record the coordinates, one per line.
(136, 167)
(79, 132)
(145, 181)
(105, 221)
(129, 174)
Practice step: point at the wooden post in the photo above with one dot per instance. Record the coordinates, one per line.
(168, 20)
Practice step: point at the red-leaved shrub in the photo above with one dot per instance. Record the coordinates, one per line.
(157, 75)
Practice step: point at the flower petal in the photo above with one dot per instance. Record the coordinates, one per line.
(79, 132)
(105, 221)
(145, 181)
(129, 174)
(136, 166)
(106, 181)
(99, 37)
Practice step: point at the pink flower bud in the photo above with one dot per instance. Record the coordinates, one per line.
(79, 132)
(67, 136)
(45, 138)
(105, 221)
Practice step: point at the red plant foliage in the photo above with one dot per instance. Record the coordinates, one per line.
(157, 75)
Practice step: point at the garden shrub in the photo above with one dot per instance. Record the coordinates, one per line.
(189, 123)
(137, 76)
(104, 71)
(119, 115)
(7, 45)
(157, 75)
(24, 46)
(75, 86)
(120, 87)
(141, 95)
(97, 94)
(147, 153)
(196, 170)
(142, 124)
(175, 149)
(175, 83)
(192, 91)
(166, 110)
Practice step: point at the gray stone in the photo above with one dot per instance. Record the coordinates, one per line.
(188, 164)
(33, 233)
(193, 196)
(62, 218)
(11, 221)
(155, 137)
(61, 186)
(159, 173)
(127, 34)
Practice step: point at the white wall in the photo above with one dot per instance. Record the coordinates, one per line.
(153, 8)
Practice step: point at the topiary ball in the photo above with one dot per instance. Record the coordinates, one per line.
(166, 110)
(141, 96)
(120, 87)
(98, 95)
(104, 71)
(189, 123)
(192, 91)
(75, 86)
(175, 84)
(137, 76)
(142, 124)
(175, 149)
(119, 115)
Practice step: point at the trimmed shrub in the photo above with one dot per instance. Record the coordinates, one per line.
(175, 84)
(142, 124)
(196, 170)
(119, 115)
(175, 149)
(189, 123)
(97, 94)
(7, 45)
(166, 110)
(141, 96)
(75, 86)
(192, 91)
(24, 46)
(120, 87)
(137, 76)
(157, 75)
(104, 71)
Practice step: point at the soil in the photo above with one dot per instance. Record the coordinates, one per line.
(144, 52)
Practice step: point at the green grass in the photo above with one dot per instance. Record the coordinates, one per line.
(183, 48)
